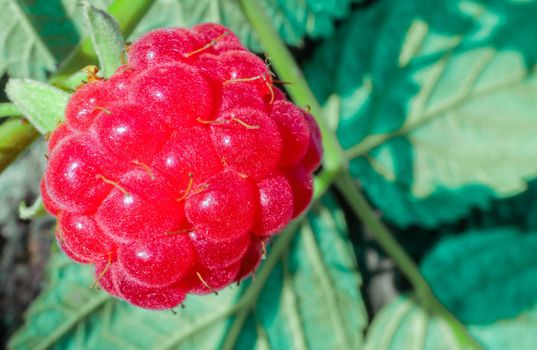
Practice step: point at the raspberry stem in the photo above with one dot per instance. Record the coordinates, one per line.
(263, 250)
(243, 80)
(206, 284)
(221, 122)
(91, 72)
(243, 123)
(103, 272)
(59, 235)
(188, 188)
(146, 168)
(113, 183)
(208, 45)
(178, 232)
(105, 110)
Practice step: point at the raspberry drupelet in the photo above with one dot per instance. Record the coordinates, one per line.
(170, 176)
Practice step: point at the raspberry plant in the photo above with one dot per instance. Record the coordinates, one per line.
(178, 161)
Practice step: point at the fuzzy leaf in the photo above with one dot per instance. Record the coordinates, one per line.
(23, 52)
(403, 325)
(76, 12)
(471, 272)
(35, 35)
(42, 104)
(311, 299)
(437, 103)
(106, 37)
(294, 19)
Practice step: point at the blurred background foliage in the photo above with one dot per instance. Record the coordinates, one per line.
(435, 104)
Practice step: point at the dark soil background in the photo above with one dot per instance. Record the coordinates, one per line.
(24, 245)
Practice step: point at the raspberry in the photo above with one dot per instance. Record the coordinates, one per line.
(170, 176)
(294, 129)
(82, 237)
(219, 253)
(177, 92)
(275, 205)
(248, 141)
(158, 260)
(81, 109)
(222, 208)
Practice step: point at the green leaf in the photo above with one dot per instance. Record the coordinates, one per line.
(35, 35)
(70, 315)
(42, 104)
(53, 24)
(403, 325)
(294, 19)
(437, 103)
(519, 210)
(487, 278)
(24, 54)
(311, 299)
(106, 37)
(76, 12)
(496, 267)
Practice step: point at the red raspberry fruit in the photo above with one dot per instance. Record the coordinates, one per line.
(170, 176)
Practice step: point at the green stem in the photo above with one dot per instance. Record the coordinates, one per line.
(14, 138)
(336, 168)
(15, 135)
(9, 110)
(361, 208)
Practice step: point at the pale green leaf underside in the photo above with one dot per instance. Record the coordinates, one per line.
(42, 104)
(22, 52)
(106, 37)
(311, 300)
(294, 19)
(438, 103)
(472, 121)
(404, 325)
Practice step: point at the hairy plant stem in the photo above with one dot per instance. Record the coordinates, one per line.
(336, 169)
(14, 136)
